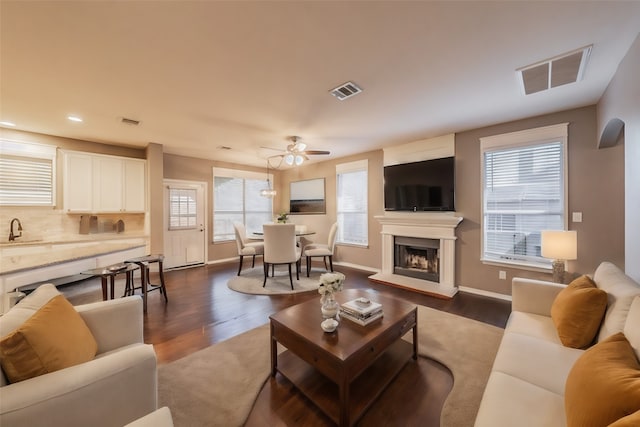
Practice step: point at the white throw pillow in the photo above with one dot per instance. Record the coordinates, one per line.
(621, 290)
(632, 326)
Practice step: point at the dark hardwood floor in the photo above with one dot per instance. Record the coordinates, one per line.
(202, 311)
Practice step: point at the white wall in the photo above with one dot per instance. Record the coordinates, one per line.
(621, 100)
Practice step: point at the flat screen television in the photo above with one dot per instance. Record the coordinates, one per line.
(428, 185)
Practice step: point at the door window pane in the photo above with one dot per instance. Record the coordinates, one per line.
(182, 208)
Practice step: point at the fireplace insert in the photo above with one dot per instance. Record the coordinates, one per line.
(417, 257)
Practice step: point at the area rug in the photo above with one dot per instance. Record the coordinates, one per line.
(217, 386)
(250, 281)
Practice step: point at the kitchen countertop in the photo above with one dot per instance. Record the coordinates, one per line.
(72, 239)
(18, 257)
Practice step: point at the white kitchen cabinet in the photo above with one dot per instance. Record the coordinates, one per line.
(103, 184)
(78, 182)
(134, 196)
(107, 184)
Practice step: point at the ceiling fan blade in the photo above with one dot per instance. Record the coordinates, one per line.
(315, 152)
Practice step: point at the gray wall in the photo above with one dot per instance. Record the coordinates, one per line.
(595, 188)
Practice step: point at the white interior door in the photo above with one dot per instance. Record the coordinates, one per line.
(185, 241)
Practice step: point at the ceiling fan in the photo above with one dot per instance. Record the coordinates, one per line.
(297, 152)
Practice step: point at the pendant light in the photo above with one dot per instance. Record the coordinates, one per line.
(268, 192)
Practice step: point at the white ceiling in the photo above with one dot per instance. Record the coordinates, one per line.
(200, 75)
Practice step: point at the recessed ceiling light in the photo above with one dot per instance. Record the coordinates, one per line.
(7, 124)
(74, 119)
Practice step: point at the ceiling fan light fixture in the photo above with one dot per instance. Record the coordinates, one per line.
(299, 159)
(289, 159)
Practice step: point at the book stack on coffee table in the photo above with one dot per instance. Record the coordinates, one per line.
(361, 311)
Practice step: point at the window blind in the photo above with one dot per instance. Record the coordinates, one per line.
(237, 199)
(352, 203)
(524, 193)
(182, 208)
(26, 181)
(27, 173)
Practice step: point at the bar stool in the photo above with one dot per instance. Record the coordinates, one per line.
(109, 273)
(146, 286)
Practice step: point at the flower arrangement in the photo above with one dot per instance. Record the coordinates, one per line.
(330, 283)
(283, 217)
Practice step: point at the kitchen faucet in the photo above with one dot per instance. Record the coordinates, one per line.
(12, 236)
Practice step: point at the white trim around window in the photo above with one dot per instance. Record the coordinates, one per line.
(528, 192)
(352, 210)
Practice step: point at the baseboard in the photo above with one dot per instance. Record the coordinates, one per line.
(485, 293)
(223, 261)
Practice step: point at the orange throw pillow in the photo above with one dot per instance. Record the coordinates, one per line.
(55, 337)
(603, 385)
(632, 420)
(577, 312)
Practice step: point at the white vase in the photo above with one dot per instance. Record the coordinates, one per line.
(330, 306)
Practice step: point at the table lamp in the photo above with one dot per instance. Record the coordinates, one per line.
(559, 246)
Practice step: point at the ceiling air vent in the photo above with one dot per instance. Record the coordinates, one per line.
(130, 121)
(346, 90)
(557, 71)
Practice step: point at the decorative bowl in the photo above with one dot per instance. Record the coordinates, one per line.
(329, 325)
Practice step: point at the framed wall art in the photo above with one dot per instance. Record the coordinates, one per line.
(307, 197)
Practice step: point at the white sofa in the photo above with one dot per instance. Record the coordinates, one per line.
(527, 382)
(116, 388)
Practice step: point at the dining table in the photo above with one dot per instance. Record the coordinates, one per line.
(258, 235)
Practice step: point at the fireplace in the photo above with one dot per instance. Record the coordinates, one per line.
(418, 252)
(417, 257)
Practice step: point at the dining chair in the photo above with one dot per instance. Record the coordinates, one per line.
(320, 249)
(280, 248)
(245, 247)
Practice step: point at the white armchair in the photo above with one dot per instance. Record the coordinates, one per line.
(116, 388)
(322, 250)
(245, 247)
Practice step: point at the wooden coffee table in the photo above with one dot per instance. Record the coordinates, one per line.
(344, 371)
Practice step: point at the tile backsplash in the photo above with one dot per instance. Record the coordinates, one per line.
(47, 223)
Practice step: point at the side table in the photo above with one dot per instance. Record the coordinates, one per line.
(110, 272)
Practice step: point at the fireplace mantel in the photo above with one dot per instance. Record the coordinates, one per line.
(430, 225)
(420, 219)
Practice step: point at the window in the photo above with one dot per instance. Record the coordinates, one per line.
(27, 174)
(524, 192)
(352, 211)
(182, 208)
(236, 198)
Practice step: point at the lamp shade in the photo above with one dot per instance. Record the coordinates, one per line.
(560, 244)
